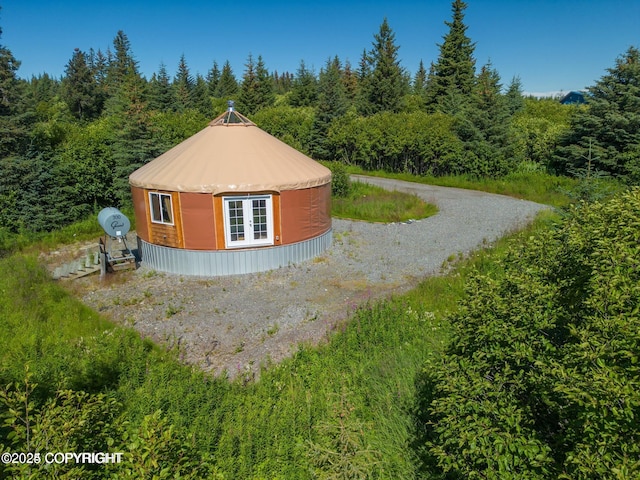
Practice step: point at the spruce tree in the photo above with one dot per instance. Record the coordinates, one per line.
(304, 92)
(123, 77)
(228, 85)
(128, 105)
(604, 136)
(200, 97)
(483, 126)
(257, 90)
(332, 104)
(248, 98)
(385, 85)
(12, 130)
(183, 84)
(42, 88)
(8, 81)
(452, 77)
(100, 68)
(420, 80)
(514, 97)
(266, 87)
(121, 63)
(350, 82)
(79, 87)
(134, 145)
(282, 84)
(363, 80)
(213, 79)
(160, 93)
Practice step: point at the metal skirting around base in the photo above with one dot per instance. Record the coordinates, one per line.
(231, 262)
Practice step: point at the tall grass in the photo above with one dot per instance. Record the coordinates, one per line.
(29, 241)
(64, 343)
(536, 186)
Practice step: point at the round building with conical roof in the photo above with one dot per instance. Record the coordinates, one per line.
(231, 199)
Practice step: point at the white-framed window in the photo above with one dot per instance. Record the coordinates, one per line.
(161, 208)
(248, 220)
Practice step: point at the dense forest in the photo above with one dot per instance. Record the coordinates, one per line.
(521, 364)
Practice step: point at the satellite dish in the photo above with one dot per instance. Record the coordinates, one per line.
(114, 222)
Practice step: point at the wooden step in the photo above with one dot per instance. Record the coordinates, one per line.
(81, 273)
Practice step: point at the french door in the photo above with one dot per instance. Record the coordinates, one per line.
(248, 221)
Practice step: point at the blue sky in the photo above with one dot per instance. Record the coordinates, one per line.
(551, 45)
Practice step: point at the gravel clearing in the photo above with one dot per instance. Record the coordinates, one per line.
(232, 325)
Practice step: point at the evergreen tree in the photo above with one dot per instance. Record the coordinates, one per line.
(350, 81)
(257, 89)
(282, 83)
(420, 80)
(183, 84)
(42, 88)
(453, 75)
(385, 85)
(27, 191)
(332, 104)
(228, 85)
(122, 63)
(266, 89)
(287, 82)
(213, 79)
(12, 128)
(514, 97)
(304, 92)
(100, 69)
(364, 68)
(248, 98)
(605, 135)
(8, 80)
(160, 92)
(133, 145)
(201, 98)
(123, 77)
(80, 89)
(363, 77)
(483, 126)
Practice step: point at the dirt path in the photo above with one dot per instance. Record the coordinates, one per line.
(233, 324)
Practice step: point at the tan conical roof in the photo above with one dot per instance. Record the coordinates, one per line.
(231, 155)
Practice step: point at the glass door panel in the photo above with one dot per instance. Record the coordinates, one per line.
(248, 221)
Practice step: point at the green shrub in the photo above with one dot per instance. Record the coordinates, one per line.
(340, 180)
(69, 421)
(541, 379)
(417, 143)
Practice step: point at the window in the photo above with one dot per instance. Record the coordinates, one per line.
(161, 208)
(248, 220)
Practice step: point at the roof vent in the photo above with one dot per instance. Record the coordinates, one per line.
(231, 118)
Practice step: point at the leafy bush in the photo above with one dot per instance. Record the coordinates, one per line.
(158, 450)
(69, 421)
(417, 143)
(340, 180)
(541, 379)
(291, 125)
(75, 422)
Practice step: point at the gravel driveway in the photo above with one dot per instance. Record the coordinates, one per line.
(233, 324)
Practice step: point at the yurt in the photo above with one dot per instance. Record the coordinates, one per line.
(231, 199)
